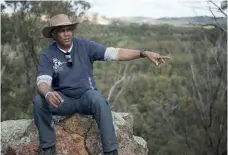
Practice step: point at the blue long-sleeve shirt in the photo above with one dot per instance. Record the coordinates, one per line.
(76, 80)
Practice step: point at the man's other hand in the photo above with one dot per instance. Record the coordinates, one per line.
(54, 99)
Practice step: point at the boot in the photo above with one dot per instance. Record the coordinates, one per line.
(48, 151)
(115, 152)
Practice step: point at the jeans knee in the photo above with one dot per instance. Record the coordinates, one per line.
(100, 102)
(38, 102)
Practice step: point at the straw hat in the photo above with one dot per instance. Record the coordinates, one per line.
(56, 21)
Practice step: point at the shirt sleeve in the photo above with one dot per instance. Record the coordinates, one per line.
(45, 70)
(96, 51)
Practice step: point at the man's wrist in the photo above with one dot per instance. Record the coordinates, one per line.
(46, 94)
(142, 53)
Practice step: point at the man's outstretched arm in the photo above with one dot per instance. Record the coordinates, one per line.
(128, 54)
(121, 54)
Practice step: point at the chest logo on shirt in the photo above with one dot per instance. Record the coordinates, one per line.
(58, 65)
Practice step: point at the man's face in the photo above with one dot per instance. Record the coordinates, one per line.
(63, 35)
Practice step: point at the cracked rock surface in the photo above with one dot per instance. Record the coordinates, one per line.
(75, 135)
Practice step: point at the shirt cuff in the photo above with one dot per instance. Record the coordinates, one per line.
(111, 54)
(44, 79)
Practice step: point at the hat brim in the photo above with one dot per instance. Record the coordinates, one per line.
(48, 29)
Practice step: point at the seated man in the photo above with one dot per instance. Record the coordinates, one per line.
(66, 85)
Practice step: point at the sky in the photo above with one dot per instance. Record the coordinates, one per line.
(152, 8)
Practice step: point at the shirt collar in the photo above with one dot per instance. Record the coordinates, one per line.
(64, 50)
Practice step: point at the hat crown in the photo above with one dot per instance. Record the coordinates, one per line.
(57, 21)
(60, 19)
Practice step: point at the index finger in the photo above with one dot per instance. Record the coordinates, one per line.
(164, 57)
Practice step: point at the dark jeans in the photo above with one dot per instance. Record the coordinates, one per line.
(91, 103)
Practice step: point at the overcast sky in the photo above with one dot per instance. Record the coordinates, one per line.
(152, 8)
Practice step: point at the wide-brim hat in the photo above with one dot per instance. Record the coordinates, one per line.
(57, 21)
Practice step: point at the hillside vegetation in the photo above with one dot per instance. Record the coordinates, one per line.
(179, 108)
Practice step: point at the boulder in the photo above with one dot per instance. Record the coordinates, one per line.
(75, 135)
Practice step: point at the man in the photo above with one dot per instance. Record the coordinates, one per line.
(66, 85)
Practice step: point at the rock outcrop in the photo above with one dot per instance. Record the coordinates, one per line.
(76, 135)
